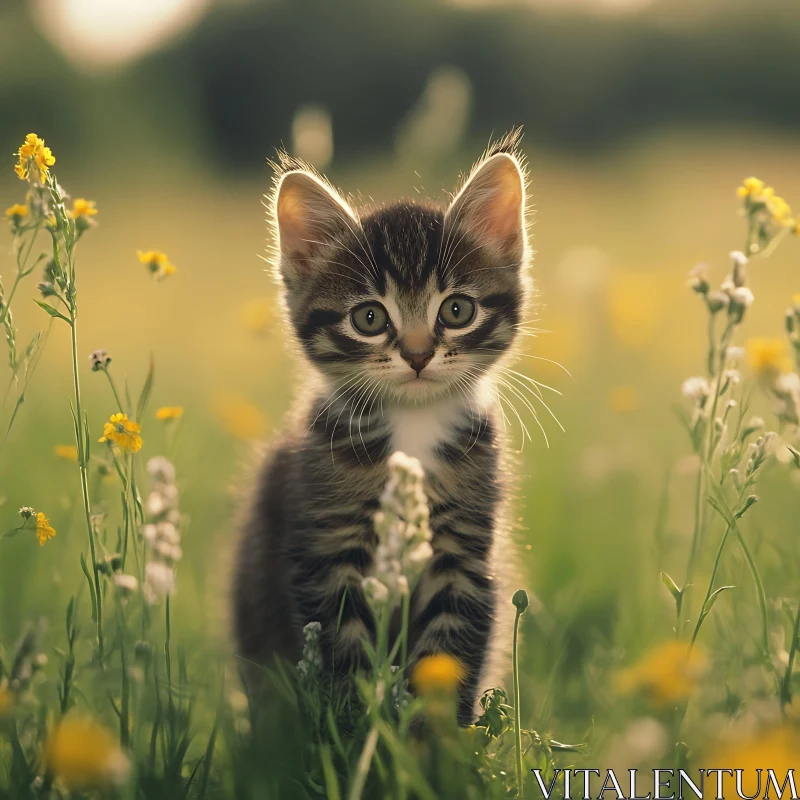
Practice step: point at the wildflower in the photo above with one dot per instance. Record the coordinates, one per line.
(735, 354)
(159, 580)
(375, 590)
(122, 432)
(788, 383)
(44, 530)
(695, 388)
(157, 262)
(667, 673)
(752, 425)
(623, 398)
(698, 279)
(258, 316)
(751, 187)
(753, 757)
(742, 296)
(239, 417)
(26, 512)
(768, 357)
(66, 451)
(161, 532)
(99, 360)
(717, 301)
(125, 584)
(161, 470)
(168, 413)
(310, 665)
(403, 531)
(83, 755)
(83, 208)
(16, 212)
(32, 153)
(437, 673)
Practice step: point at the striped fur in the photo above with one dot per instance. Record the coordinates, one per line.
(309, 539)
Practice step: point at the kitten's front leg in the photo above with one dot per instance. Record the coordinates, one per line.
(454, 615)
(329, 592)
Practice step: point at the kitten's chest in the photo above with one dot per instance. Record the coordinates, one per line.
(419, 432)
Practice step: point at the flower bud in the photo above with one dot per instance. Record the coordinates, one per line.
(520, 600)
(99, 360)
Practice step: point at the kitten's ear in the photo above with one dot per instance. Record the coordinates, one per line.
(309, 214)
(492, 205)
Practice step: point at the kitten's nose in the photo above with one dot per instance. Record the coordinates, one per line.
(416, 360)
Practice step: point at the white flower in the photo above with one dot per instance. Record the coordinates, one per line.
(739, 258)
(731, 376)
(789, 383)
(159, 580)
(696, 388)
(753, 424)
(742, 296)
(161, 469)
(311, 663)
(127, 584)
(375, 590)
(156, 504)
(735, 354)
(403, 532)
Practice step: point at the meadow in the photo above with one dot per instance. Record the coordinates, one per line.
(606, 513)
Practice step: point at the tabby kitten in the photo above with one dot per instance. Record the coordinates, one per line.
(403, 314)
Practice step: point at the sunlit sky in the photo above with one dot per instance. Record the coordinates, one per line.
(112, 32)
(109, 33)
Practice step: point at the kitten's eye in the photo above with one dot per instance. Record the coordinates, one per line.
(457, 311)
(370, 319)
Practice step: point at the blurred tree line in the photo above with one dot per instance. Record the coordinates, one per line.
(229, 88)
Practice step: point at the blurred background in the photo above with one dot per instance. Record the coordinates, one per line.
(641, 118)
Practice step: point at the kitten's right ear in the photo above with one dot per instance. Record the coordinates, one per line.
(309, 214)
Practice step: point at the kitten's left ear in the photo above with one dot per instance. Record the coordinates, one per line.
(492, 204)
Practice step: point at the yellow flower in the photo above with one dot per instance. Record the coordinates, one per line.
(239, 417)
(777, 750)
(258, 316)
(169, 412)
(124, 433)
(16, 211)
(157, 262)
(636, 304)
(437, 673)
(751, 187)
(67, 451)
(768, 357)
(84, 755)
(33, 152)
(83, 208)
(780, 210)
(667, 673)
(44, 530)
(623, 398)
(796, 300)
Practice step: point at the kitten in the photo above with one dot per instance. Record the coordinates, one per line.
(403, 314)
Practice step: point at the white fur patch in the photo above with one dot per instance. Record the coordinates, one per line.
(418, 430)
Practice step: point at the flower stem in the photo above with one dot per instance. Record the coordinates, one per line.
(710, 590)
(517, 725)
(786, 685)
(82, 465)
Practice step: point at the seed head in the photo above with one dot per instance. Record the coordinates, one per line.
(99, 360)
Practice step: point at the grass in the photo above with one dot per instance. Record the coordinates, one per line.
(608, 508)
